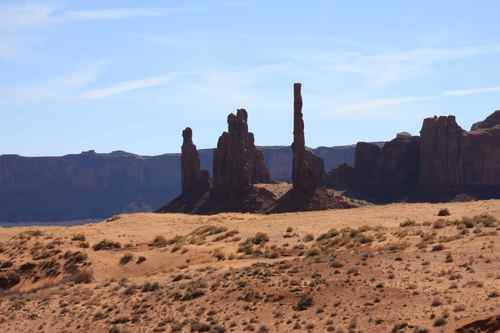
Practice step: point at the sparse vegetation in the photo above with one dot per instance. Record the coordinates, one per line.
(106, 244)
(343, 271)
(408, 223)
(159, 241)
(78, 238)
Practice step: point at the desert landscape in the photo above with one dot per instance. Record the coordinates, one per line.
(246, 166)
(388, 268)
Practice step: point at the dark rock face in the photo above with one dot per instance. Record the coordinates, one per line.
(82, 186)
(192, 178)
(342, 177)
(400, 166)
(481, 157)
(367, 167)
(260, 172)
(307, 169)
(386, 173)
(94, 185)
(441, 164)
(237, 162)
(195, 182)
(491, 121)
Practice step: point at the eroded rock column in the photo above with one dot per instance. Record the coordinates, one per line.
(237, 162)
(307, 169)
(192, 177)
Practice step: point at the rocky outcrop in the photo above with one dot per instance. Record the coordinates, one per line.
(237, 166)
(491, 121)
(195, 182)
(441, 157)
(400, 166)
(443, 162)
(367, 167)
(481, 157)
(385, 173)
(308, 192)
(341, 177)
(307, 169)
(192, 177)
(237, 162)
(260, 172)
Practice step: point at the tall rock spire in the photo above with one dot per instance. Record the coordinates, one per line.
(193, 179)
(307, 169)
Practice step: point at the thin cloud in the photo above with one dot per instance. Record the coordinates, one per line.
(15, 18)
(128, 86)
(383, 103)
(114, 14)
(63, 87)
(390, 67)
(471, 92)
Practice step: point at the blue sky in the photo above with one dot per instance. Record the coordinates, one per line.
(130, 75)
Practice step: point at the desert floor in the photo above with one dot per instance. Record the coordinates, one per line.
(391, 268)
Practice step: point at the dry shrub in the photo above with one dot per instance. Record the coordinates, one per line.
(106, 244)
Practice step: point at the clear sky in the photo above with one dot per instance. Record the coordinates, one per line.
(130, 75)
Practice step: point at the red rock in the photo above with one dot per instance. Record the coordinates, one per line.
(341, 178)
(481, 157)
(192, 177)
(308, 170)
(441, 163)
(367, 162)
(237, 162)
(386, 173)
(195, 182)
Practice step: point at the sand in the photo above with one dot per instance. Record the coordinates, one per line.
(381, 273)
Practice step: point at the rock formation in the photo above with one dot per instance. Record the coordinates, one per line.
(481, 157)
(193, 179)
(367, 167)
(308, 192)
(384, 173)
(399, 166)
(195, 182)
(341, 177)
(441, 159)
(308, 169)
(491, 121)
(237, 162)
(443, 162)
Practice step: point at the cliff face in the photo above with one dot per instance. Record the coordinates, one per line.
(481, 156)
(442, 162)
(88, 185)
(91, 185)
(441, 166)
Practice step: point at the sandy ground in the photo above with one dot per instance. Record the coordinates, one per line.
(392, 268)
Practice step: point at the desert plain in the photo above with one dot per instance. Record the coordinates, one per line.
(378, 268)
